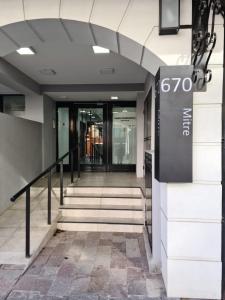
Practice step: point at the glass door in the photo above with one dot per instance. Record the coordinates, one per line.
(91, 137)
(123, 136)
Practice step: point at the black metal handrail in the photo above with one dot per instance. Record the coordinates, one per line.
(26, 189)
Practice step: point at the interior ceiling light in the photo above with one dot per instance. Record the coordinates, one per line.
(48, 72)
(100, 50)
(114, 97)
(25, 51)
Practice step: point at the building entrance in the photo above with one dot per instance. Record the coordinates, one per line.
(103, 134)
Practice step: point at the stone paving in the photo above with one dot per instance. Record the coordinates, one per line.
(85, 266)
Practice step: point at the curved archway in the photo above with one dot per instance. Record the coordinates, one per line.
(35, 32)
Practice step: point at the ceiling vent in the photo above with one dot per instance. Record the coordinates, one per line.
(48, 72)
(107, 71)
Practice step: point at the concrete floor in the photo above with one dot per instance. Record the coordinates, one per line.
(88, 266)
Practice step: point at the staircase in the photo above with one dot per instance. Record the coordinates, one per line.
(102, 209)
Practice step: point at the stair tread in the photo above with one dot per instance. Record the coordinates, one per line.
(102, 195)
(128, 221)
(101, 207)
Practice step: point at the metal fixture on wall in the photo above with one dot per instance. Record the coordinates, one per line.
(169, 16)
(204, 38)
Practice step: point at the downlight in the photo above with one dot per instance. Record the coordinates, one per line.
(114, 98)
(25, 51)
(100, 50)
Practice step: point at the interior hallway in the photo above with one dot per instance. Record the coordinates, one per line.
(89, 266)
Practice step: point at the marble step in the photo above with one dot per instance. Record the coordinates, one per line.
(104, 192)
(102, 213)
(102, 206)
(100, 224)
(69, 200)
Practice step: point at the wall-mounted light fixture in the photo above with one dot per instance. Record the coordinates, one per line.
(169, 16)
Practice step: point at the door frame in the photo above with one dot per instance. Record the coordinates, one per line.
(107, 135)
(76, 141)
(115, 167)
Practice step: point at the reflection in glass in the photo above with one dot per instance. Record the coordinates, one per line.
(91, 135)
(63, 132)
(124, 135)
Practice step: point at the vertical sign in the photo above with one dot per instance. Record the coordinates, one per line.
(173, 124)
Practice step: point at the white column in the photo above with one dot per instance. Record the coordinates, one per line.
(191, 213)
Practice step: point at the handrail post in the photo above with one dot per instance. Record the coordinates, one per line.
(72, 167)
(27, 238)
(61, 182)
(49, 197)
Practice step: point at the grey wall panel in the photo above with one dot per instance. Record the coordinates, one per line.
(50, 30)
(49, 133)
(105, 38)
(22, 34)
(6, 45)
(20, 155)
(80, 32)
(130, 49)
(151, 62)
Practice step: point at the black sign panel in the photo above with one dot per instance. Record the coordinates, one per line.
(173, 124)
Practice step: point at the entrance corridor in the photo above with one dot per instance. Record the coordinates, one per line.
(82, 265)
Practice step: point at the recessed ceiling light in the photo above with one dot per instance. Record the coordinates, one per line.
(100, 50)
(114, 97)
(25, 51)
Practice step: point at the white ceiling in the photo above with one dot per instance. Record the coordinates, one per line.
(76, 64)
(93, 96)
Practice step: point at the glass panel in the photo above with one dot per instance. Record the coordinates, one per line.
(91, 135)
(63, 132)
(124, 135)
(14, 105)
(170, 13)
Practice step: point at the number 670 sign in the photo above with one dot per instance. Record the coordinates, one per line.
(175, 84)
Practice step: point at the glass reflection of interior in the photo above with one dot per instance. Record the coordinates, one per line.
(124, 135)
(91, 135)
(63, 133)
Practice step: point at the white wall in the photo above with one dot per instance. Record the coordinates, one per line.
(49, 133)
(20, 155)
(34, 109)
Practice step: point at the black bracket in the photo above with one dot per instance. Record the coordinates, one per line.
(204, 38)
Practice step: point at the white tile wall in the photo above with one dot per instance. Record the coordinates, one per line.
(78, 10)
(185, 12)
(11, 11)
(190, 240)
(41, 9)
(108, 13)
(194, 279)
(139, 20)
(207, 120)
(173, 50)
(194, 201)
(207, 163)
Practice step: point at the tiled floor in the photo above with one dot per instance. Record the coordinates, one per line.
(110, 179)
(89, 266)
